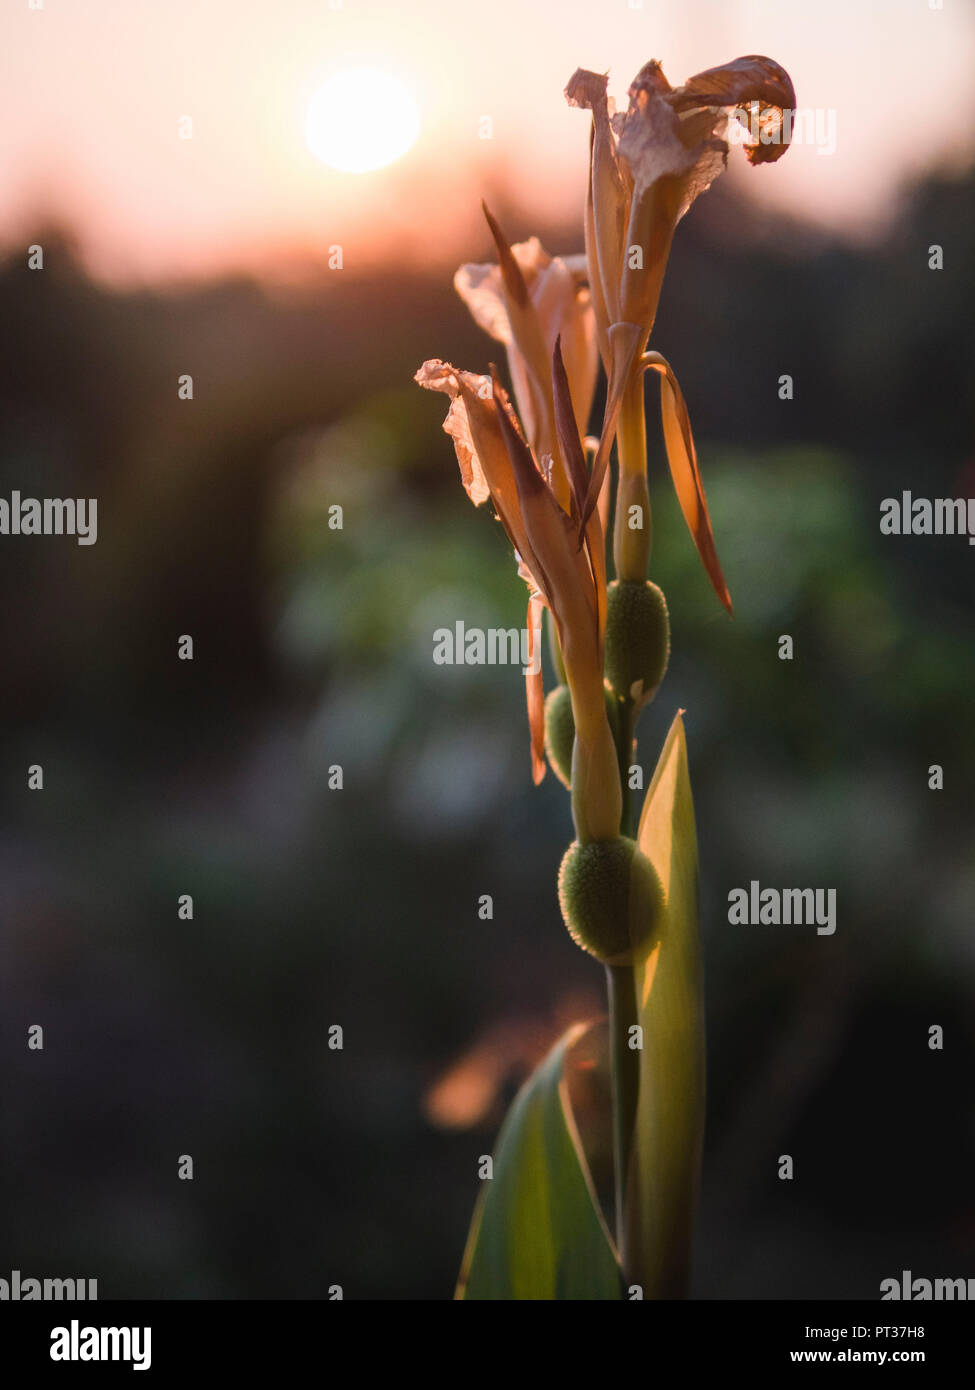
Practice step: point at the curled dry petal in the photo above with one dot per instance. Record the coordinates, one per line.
(752, 79)
(682, 458)
(440, 376)
(482, 426)
(473, 422)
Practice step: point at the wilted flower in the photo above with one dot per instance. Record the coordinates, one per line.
(647, 165)
(628, 899)
(549, 300)
(569, 579)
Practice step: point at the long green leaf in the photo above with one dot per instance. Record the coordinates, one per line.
(538, 1231)
(666, 1153)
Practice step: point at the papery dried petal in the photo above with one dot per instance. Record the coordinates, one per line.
(653, 143)
(440, 376)
(481, 284)
(565, 310)
(481, 288)
(751, 79)
(558, 290)
(563, 571)
(682, 459)
(670, 161)
(474, 423)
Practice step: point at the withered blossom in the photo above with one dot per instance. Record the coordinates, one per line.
(570, 580)
(550, 300)
(627, 887)
(647, 165)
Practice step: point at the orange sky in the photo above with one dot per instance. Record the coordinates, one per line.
(93, 90)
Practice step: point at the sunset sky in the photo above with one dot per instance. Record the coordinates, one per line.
(93, 92)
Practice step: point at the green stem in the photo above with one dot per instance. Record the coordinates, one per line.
(631, 548)
(621, 992)
(624, 752)
(625, 1082)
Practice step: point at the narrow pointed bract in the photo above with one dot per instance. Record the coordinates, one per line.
(565, 425)
(575, 461)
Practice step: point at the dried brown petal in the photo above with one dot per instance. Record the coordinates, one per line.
(440, 376)
(682, 458)
(752, 79)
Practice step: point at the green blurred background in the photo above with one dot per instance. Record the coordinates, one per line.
(359, 907)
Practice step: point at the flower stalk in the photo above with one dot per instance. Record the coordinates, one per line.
(632, 534)
(550, 486)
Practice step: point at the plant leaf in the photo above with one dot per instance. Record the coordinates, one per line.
(666, 1154)
(538, 1231)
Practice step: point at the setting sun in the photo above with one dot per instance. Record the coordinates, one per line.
(361, 119)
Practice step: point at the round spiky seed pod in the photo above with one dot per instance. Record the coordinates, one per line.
(560, 730)
(637, 636)
(611, 898)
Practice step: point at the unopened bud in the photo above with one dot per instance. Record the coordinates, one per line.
(560, 730)
(611, 898)
(637, 637)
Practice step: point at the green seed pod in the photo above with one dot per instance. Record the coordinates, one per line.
(611, 898)
(637, 637)
(560, 730)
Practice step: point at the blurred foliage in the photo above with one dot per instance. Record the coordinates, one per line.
(313, 647)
